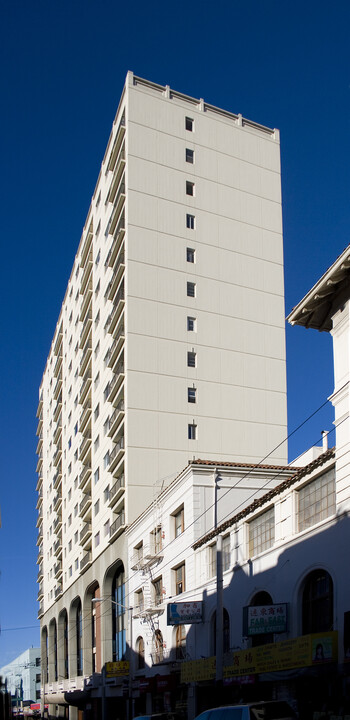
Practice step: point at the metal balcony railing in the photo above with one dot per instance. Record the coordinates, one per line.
(118, 523)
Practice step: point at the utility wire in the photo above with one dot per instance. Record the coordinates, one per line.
(128, 578)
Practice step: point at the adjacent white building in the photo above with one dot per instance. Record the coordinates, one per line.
(276, 548)
(170, 346)
(23, 677)
(285, 598)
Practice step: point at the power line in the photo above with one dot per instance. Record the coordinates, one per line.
(25, 627)
(128, 578)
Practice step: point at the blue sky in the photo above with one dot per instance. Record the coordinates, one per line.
(63, 63)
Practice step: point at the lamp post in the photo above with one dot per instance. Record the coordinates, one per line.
(129, 609)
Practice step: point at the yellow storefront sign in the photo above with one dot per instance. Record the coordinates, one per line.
(117, 669)
(297, 652)
(195, 670)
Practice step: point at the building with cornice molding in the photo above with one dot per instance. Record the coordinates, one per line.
(170, 345)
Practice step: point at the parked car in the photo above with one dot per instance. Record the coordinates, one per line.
(155, 716)
(267, 710)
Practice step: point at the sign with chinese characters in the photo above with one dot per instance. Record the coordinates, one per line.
(117, 669)
(294, 653)
(263, 619)
(196, 670)
(185, 613)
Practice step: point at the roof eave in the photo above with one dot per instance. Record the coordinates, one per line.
(323, 291)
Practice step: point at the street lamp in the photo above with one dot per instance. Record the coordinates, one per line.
(129, 609)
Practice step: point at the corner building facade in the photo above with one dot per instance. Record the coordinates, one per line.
(170, 345)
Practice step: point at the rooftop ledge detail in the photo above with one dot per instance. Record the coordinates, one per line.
(202, 106)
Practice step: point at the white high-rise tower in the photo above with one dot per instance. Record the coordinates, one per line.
(170, 342)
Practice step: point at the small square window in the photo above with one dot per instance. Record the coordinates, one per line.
(191, 289)
(191, 394)
(190, 255)
(96, 475)
(191, 359)
(189, 124)
(97, 539)
(189, 188)
(189, 156)
(190, 221)
(192, 431)
(191, 324)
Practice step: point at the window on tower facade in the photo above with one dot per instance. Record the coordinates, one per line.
(191, 324)
(192, 431)
(191, 289)
(190, 255)
(191, 359)
(190, 221)
(191, 394)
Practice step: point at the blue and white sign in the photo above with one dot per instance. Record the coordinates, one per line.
(185, 613)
